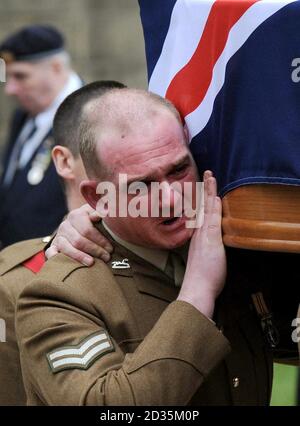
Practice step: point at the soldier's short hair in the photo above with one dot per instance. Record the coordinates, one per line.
(67, 119)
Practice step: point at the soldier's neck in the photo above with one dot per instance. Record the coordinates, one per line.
(74, 198)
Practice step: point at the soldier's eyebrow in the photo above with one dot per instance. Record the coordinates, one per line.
(151, 178)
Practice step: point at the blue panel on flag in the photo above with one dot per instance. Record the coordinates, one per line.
(158, 12)
(253, 134)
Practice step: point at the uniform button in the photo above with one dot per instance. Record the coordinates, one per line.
(46, 239)
(235, 382)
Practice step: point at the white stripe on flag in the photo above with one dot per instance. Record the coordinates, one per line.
(239, 33)
(185, 30)
(82, 361)
(74, 351)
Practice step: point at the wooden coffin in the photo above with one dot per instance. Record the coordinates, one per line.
(263, 217)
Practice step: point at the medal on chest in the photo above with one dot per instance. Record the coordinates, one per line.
(40, 163)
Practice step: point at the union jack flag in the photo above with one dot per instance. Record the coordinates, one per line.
(232, 68)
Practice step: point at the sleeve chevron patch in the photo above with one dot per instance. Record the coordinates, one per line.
(82, 355)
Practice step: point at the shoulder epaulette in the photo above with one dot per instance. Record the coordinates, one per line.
(59, 267)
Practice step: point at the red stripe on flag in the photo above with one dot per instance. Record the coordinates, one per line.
(36, 262)
(189, 86)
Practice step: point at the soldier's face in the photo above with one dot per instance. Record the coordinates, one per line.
(155, 153)
(31, 84)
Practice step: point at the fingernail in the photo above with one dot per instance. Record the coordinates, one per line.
(105, 257)
(87, 261)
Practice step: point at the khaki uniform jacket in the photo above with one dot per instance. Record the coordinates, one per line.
(13, 278)
(115, 335)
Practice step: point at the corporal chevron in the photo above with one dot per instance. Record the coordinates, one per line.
(80, 356)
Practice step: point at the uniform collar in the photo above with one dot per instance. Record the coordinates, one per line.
(149, 278)
(156, 257)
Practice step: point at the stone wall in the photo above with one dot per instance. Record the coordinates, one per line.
(104, 38)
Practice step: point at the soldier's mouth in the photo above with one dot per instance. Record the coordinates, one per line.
(170, 221)
(174, 223)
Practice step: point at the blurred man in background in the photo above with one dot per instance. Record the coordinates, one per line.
(39, 77)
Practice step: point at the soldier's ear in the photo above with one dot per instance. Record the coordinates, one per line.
(88, 190)
(64, 162)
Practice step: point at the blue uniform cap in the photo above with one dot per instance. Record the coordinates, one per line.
(32, 43)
